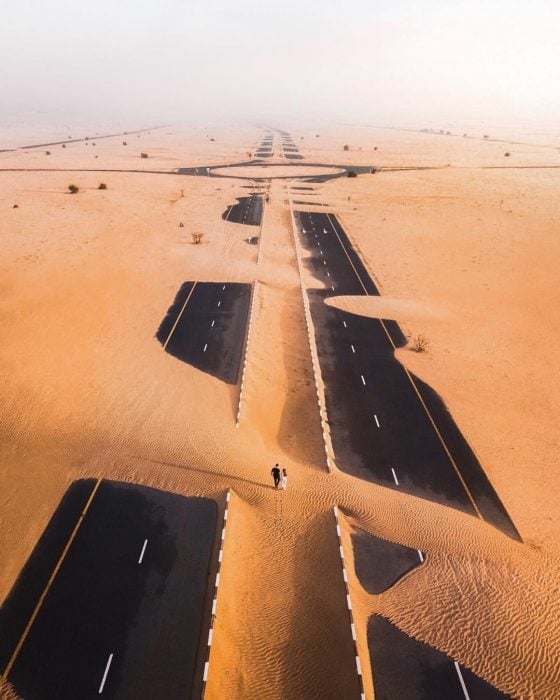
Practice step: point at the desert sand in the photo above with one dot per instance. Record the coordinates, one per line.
(463, 242)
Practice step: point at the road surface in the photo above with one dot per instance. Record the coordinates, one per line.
(386, 425)
(406, 669)
(123, 616)
(206, 327)
(248, 211)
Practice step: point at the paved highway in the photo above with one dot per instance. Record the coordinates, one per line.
(122, 617)
(206, 327)
(406, 669)
(386, 425)
(248, 210)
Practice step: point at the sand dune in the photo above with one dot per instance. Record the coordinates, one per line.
(465, 256)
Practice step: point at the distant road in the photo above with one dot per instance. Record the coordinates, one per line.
(386, 425)
(123, 616)
(90, 138)
(206, 327)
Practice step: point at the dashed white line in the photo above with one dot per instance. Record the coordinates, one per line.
(463, 686)
(206, 345)
(363, 380)
(219, 303)
(142, 552)
(344, 324)
(332, 287)
(212, 324)
(376, 420)
(395, 476)
(223, 287)
(420, 555)
(105, 674)
(353, 349)
(324, 262)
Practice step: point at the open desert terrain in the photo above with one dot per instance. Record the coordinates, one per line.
(463, 243)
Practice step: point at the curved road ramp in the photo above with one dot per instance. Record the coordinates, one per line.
(206, 327)
(112, 601)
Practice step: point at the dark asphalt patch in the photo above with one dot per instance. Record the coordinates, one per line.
(148, 615)
(407, 669)
(248, 211)
(210, 332)
(380, 563)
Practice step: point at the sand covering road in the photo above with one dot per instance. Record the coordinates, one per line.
(88, 391)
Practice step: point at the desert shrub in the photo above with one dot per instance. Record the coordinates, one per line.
(63, 145)
(464, 136)
(486, 136)
(16, 206)
(420, 343)
(346, 148)
(143, 155)
(196, 237)
(102, 186)
(375, 148)
(212, 139)
(181, 224)
(124, 143)
(47, 153)
(352, 173)
(73, 189)
(507, 155)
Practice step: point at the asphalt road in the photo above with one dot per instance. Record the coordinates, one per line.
(123, 617)
(406, 669)
(380, 563)
(206, 327)
(386, 425)
(248, 210)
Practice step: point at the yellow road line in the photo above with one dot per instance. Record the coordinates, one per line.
(179, 316)
(50, 582)
(426, 409)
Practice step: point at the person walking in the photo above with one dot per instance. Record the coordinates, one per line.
(284, 480)
(275, 471)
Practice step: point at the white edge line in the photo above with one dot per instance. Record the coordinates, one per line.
(395, 476)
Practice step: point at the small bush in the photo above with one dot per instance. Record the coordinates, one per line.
(346, 148)
(63, 145)
(102, 186)
(73, 189)
(420, 343)
(143, 155)
(196, 238)
(352, 173)
(181, 224)
(486, 136)
(124, 143)
(212, 139)
(507, 155)
(16, 206)
(375, 148)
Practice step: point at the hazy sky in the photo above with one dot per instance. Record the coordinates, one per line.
(395, 62)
